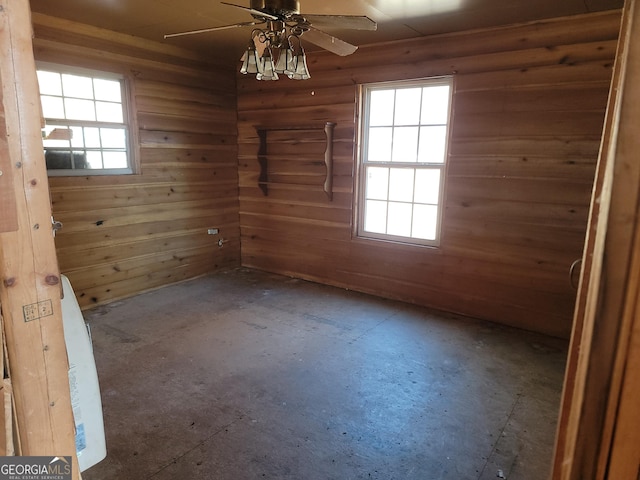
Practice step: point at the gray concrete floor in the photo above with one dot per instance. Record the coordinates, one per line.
(248, 375)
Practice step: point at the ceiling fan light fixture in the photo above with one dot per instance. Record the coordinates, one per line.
(280, 22)
(291, 59)
(250, 60)
(266, 67)
(286, 59)
(301, 71)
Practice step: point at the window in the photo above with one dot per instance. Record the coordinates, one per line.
(86, 123)
(404, 132)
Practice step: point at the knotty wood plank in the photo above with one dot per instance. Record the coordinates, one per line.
(176, 123)
(585, 145)
(564, 98)
(91, 297)
(578, 168)
(529, 123)
(77, 242)
(69, 199)
(173, 91)
(576, 74)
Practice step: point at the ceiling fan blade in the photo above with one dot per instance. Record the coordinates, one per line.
(212, 29)
(329, 42)
(354, 22)
(253, 11)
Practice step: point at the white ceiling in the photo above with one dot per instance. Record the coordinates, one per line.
(397, 19)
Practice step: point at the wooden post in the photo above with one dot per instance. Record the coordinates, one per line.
(30, 283)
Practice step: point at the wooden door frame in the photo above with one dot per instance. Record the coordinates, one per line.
(30, 284)
(599, 387)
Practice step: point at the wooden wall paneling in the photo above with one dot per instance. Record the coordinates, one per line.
(424, 67)
(30, 289)
(528, 112)
(127, 234)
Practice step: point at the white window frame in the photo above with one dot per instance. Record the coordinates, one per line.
(128, 122)
(361, 187)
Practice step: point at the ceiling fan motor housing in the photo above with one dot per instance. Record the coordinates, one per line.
(277, 7)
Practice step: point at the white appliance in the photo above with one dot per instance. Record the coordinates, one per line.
(83, 380)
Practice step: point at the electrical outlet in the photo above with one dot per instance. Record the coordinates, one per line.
(212, 231)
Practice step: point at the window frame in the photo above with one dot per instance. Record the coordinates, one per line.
(129, 123)
(362, 151)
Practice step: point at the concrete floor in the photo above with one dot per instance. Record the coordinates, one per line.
(248, 375)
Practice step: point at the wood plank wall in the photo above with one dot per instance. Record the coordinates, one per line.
(126, 234)
(528, 114)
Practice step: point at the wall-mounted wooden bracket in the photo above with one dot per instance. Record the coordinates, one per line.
(328, 159)
(263, 160)
(302, 144)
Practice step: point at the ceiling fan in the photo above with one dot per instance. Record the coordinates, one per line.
(279, 26)
(287, 12)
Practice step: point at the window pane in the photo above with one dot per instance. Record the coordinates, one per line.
(427, 186)
(49, 83)
(112, 137)
(405, 144)
(79, 109)
(379, 149)
(77, 138)
(401, 184)
(375, 216)
(109, 112)
(433, 141)
(435, 105)
(94, 160)
(79, 160)
(59, 159)
(399, 221)
(77, 86)
(377, 183)
(425, 221)
(56, 137)
(92, 137)
(408, 106)
(52, 107)
(108, 90)
(114, 159)
(53, 143)
(381, 107)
